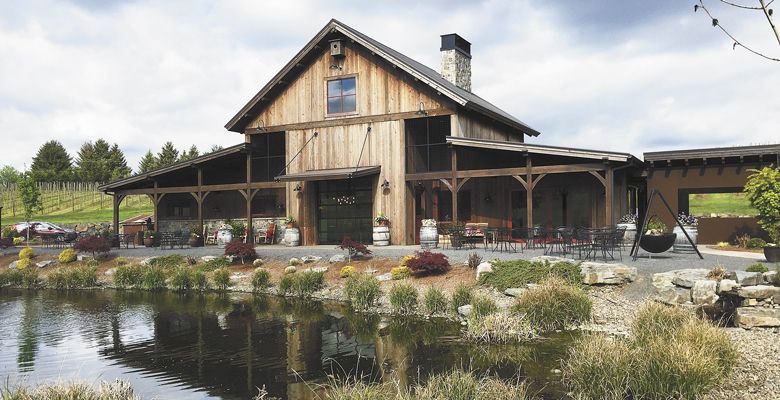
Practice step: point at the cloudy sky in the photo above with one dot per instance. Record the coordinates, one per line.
(622, 75)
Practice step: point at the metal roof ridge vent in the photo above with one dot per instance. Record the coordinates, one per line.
(456, 60)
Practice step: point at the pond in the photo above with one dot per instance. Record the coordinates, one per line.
(194, 346)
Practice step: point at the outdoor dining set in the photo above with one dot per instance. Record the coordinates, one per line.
(584, 243)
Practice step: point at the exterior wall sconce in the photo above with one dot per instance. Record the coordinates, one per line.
(421, 110)
(488, 199)
(386, 185)
(298, 188)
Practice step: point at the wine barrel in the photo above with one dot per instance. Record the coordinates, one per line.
(292, 237)
(381, 236)
(681, 244)
(429, 237)
(224, 236)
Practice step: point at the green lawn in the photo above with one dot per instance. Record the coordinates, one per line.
(720, 203)
(85, 216)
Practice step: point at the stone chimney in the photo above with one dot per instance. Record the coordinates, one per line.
(456, 60)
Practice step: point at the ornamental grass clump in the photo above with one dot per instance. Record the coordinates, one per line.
(301, 284)
(434, 301)
(482, 306)
(126, 276)
(30, 279)
(553, 305)
(199, 280)
(461, 296)
(261, 279)
(168, 262)
(13, 277)
(362, 291)
(153, 278)
(499, 328)
(221, 279)
(181, 279)
(83, 276)
(214, 264)
(403, 299)
(669, 354)
(116, 390)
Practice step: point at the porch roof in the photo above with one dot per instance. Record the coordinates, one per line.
(541, 149)
(330, 174)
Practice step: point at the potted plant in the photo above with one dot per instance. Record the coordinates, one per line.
(224, 235)
(628, 222)
(290, 221)
(656, 239)
(381, 234)
(195, 239)
(763, 192)
(429, 235)
(292, 236)
(149, 238)
(690, 223)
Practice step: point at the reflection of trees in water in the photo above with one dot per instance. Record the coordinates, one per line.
(28, 333)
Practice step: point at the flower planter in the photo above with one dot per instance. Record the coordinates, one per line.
(292, 237)
(681, 244)
(630, 235)
(381, 235)
(224, 236)
(772, 253)
(194, 242)
(657, 243)
(149, 242)
(429, 237)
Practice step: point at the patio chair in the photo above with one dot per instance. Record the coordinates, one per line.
(267, 236)
(211, 237)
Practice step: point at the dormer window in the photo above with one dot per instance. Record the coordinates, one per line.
(342, 95)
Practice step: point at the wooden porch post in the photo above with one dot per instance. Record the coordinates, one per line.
(156, 200)
(117, 201)
(529, 190)
(199, 200)
(454, 183)
(250, 237)
(609, 188)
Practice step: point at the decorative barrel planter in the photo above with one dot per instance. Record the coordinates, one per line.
(429, 237)
(772, 253)
(681, 244)
(224, 236)
(657, 243)
(381, 236)
(292, 237)
(630, 235)
(149, 242)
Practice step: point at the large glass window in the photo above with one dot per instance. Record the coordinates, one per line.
(268, 156)
(426, 144)
(269, 203)
(342, 95)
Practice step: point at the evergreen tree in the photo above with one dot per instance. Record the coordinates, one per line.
(92, 162)
(52, 163)
(167, 155)
(148, 162)
(9, 175)
(118, 164)
(189, 155)
(214, 148)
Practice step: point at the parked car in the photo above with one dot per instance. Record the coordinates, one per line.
(46, 230)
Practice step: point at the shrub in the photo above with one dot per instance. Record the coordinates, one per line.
(221, 279)
(435, 301)
(81, 277)
(763, 192)
(258, 262)
(354, 248)
(12, 277)
(211, 265)
(755, 243)
(181, 279)
(241, 250)
(93, 244)
(120, 261)
(168, 262)
(30, 278)
(347, 271)
(261, 279)
(23, 264)
(362, 291)
(482, 306)
(519, 273)
(290, 269)
(128, 276)
(474, 260)
(553, 305)
(461, 296)
(717, 272)
(427, 262)
(400, 272)
(757, 267)
(403, 298)
(18, 241)
(27, 253)
(499, 328)
(67, 256)
(6, 242)
(742, 240)
(405, 259)
(154, 278)
(199, 280)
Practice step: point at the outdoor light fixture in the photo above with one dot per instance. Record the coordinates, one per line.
(386, 185)
(421, 110)
(298, 188)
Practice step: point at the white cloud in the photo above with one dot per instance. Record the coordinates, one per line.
(142, 73)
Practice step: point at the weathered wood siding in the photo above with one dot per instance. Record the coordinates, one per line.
(477, 127)
(380, 90)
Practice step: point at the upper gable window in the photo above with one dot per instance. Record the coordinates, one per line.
(342, 95)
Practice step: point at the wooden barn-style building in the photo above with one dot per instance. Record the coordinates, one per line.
(351, 128)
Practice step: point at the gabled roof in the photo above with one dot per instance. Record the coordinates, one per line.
(421, 72)
(173, 167)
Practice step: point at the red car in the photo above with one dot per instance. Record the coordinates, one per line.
(45, 230)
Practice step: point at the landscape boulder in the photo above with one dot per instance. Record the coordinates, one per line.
(606, 274)
(750, 317)
(310, 259)
(208, 258)
(759, 292)
(44, 264)
(703, 292)
(145, 261)
(749, 278)
(674, 295)
(465, 311)
(12, 265)
(338, 258)
(688, 277)
(728, 286)
(317, 269)
(513, 292)
(484, 267)
(385, 277)
(770, 277)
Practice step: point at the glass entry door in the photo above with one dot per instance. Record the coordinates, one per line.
(344, 210)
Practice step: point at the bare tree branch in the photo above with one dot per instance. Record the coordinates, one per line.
(717, 24)
(768, 14)
(745, 7)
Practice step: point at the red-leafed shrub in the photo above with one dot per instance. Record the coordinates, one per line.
(6, 242)
(93, 244)
(427, 262)
(354, 248)
(241, 250)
